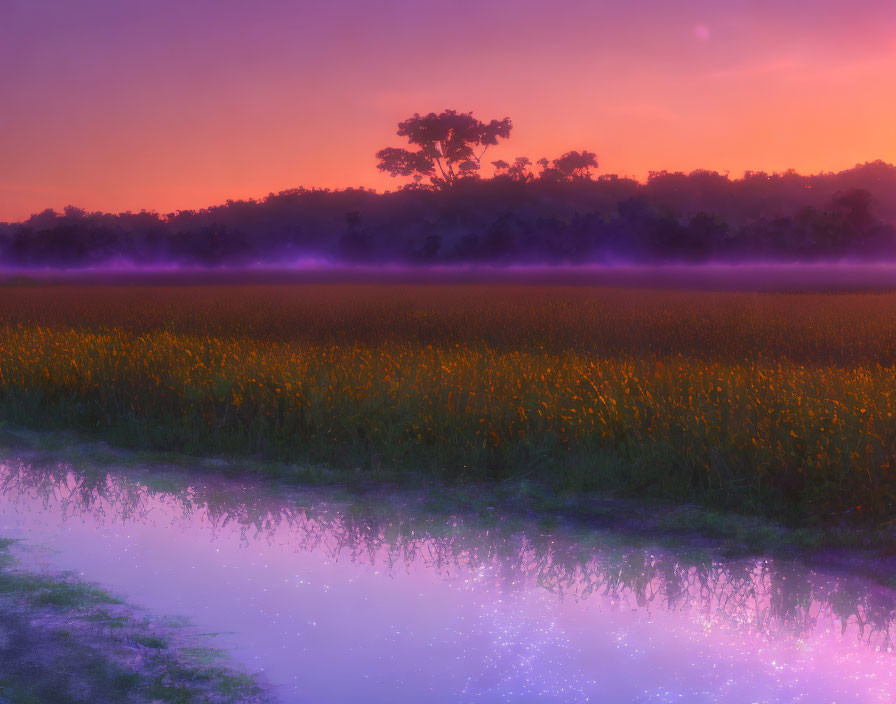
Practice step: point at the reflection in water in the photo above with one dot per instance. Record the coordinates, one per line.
(529, 616)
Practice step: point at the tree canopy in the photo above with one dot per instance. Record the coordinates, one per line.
(672, 217)
(450, 146)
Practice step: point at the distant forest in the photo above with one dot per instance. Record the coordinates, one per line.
(543, 219)
(555, 211)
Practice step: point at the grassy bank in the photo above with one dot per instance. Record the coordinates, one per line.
(778, 404)
(673, 525)
(69, 642)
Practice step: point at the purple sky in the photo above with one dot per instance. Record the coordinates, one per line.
(123, 105)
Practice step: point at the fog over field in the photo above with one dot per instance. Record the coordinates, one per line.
(759, 276)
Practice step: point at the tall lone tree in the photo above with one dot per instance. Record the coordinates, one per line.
(450, 146)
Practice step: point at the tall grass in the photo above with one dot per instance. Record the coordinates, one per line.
(772, 403)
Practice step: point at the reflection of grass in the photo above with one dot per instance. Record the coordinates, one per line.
(564, 543)
(679, 528)
(62, 644)
(674, 525)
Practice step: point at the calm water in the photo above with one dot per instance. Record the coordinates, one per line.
(372, 602)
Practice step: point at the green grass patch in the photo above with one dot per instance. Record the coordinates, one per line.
(64, 645)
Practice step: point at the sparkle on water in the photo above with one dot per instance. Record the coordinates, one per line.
(345, 601)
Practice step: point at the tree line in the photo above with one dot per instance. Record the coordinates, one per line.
(552, 211)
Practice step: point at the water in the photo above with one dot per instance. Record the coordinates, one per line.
(375, 601)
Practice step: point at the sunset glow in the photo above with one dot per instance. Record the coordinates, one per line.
(447, 351)
(170, 105)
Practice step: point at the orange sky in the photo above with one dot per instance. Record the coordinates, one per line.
(169, 105)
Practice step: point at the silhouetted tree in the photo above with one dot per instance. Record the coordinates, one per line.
(450, 146)
(517, 171)
(573, 166)
(501, 167)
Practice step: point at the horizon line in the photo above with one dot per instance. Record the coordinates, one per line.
(409, 186)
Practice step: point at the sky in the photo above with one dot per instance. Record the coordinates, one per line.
(166, 104)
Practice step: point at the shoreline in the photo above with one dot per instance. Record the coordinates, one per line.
(65, 639)
(869, 552)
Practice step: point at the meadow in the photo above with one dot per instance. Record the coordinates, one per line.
(772, 403)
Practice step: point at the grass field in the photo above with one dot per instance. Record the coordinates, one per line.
(773, 403)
